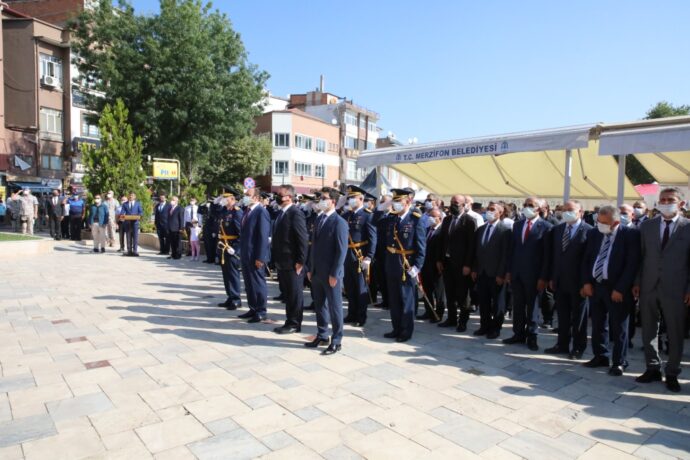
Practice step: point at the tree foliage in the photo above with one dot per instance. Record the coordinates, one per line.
(183, 73)
(246, 156)
(665, 109)
(116, 164)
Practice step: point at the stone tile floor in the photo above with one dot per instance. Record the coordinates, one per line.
(105, 356)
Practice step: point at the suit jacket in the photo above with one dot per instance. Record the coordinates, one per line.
(433, 240)
(460, 242)
(256, 229)
(491, 258)
(529, 260)
(290, 239)
(566, 267)
(161, 217)
(55, 210)
(623, 262)
(329, 248)
(175, 218)
(665, 269)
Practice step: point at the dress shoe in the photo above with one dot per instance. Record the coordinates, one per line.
(390, 335)
(255, 319)
(332, 349)
(95, 249)
(435, 319)
(672, 383)
(316, 342)
(462, 326)
(287, 330)
(532, 344)
(425, 315)
(576, 354)
(278, 297)
(225, 304)
(479, 332)
(555, 330)
(493, 334)
(597, 361)
(514, 339)
(135, 254)
(649, 376)
(232, 306)
(170, 257)
(555, 350)
(311, 306)
(448, 323)
(616, 371)
(102, 250)
(249, 314)
(401, 339)
(357, 324)
(546, 324)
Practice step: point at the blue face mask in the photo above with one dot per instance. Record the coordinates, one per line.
(625, 219)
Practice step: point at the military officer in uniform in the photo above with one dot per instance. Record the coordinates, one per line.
(405, 249)
(229, 245)
(210, 230)
(361, 245)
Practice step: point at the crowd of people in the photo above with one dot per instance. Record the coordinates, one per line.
(615, 268)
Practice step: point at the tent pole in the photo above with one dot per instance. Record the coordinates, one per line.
(379, 182)
(621, 180)
(568, 173)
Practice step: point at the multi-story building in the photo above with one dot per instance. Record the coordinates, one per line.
(305, 150)
(35, 100)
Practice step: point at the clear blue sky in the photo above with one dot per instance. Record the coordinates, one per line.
(450, 69)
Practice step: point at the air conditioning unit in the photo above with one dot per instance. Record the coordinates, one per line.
(48, 80)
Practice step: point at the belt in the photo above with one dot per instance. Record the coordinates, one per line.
(405, 252)
(357, 245)
(228, 237)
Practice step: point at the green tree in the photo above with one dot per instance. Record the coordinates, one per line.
(246, 156)
(183, 73)
(664, 109)
(116, 164)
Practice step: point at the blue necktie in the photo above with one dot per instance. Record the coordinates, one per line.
(602, 258)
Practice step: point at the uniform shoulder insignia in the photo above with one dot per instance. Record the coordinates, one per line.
(417, 214)
(368, 210)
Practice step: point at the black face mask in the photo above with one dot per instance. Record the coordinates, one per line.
(455, 209)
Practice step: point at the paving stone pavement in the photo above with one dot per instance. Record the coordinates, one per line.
(103, 356)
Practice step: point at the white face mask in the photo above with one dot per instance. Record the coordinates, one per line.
(491, 216)
(384, 206)
(428, 205)
(323, 205)
(639, 212)
(398, 206)
(352, 203)
(625, 219)
(569, 216)
(246, 201)
(97, 201)
(110, 195)
(668, 210)
(173, 203)
(193, 202)
(529, 213)
(604, 228)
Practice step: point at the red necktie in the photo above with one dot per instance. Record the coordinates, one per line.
(529, 227)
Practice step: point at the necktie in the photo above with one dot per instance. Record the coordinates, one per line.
(487, 234)
(453, 223)
(244, 217)
(566, 237)
(527, 230)
(172, 208)
(664, 238)
(602, 258)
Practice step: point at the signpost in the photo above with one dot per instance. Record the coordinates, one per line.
(167, 169)
(249, 183)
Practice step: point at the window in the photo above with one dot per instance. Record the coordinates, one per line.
(370, 145)
(51, 67)
(281, 140)
(302, 142)
(88, 128)
(333, 147)
(350, 119)
(302, 169)
(372, 126)
(320, 171)
(350, 143)
(51, 162)
(362, 123)
(281, 168)
(51, 123)
(320, 145)
(351, 172)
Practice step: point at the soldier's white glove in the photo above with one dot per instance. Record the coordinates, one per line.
(413, 272)
(230, 250)
(366, 263)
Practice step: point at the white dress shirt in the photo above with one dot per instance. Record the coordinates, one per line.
(672, 226)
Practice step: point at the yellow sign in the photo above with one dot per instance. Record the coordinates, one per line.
(165, 170)
(3, 193)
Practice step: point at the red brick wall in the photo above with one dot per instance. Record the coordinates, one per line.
(52, 11)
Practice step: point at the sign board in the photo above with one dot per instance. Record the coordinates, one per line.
(165, 170)
(3, 193)
(249, 182)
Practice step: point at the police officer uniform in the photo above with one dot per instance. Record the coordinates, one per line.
(229, 237)
(361, 246)
(405, 248)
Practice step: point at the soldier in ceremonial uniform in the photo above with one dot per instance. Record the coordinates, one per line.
(361, 246)
(229, 245)
(405, 249)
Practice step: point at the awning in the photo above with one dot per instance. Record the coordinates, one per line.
(35, 187)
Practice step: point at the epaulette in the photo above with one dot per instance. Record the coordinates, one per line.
(417, 214)
(368, 210)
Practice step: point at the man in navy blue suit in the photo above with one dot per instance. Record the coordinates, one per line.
(405, 241)
(229, 244)
(609, 269)
(254, 252)
(326, 270)
(361, 247)
(134, 210)
(161, 213)
(175, 226)
(528, 268)
(568, 245)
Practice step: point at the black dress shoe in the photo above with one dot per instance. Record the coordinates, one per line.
(287, 330)
(249, 314)
(357, 324)
(493, 334)
(232, 306)
(649, 376)
(402, 339)
(279, 297)
(597, 361)
(348, 320)
(95, 249)
(255, 319)
(425, 315)
(311, 306)
(555, 330)
(224, 304)
(556, 350)
(316, 342)
(462, 327)
(448, 323)
(672, 383)
(136, 254)
(576, 354)
(514, 339)
(479, 332)
(616, 371)
(332, 349)
(102, 250)
(532, 344)
(390, 335)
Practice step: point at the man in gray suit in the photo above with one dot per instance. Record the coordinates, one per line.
(663, 285)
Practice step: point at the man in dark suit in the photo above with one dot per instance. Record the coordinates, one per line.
(55, 209)
(489, 267)
(254, 252)
(378, 265)
(454, 260)
(608, 270)
(289, 252)
(326, 270)
(229, 233)
(528, 268)
(132, 212)
(361, 247)
(431, 275)
(406, 246)
(161, 216)
(568, 244)
(175, 227)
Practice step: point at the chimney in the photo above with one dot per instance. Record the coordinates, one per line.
(321, 84)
